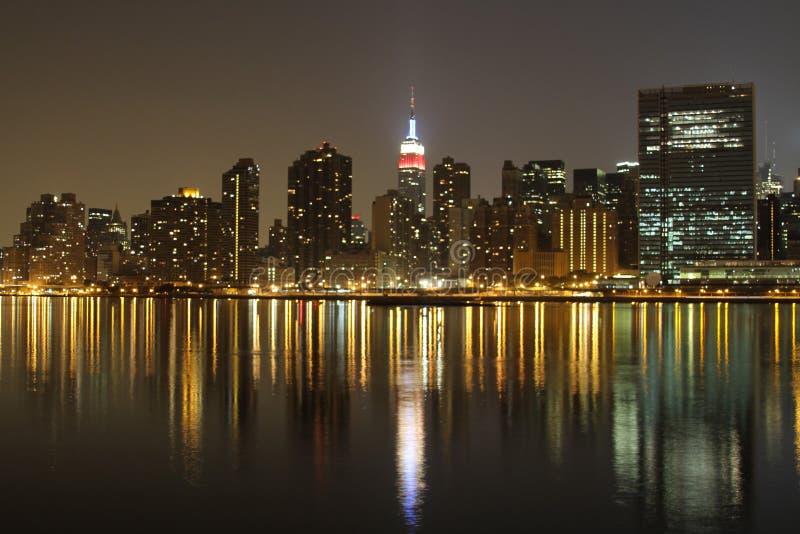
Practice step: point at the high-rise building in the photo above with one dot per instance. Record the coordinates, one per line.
(588, 233)
(97, 225)
(140, 233)
(556, 174)
(697, 176)
(768, 183)
(459, 220)
(533, 190)
(796, 184)
(239, 223)
(51, 246)
(359, 232)
(590, 183)
(500, 230)
(105, 228)
(451, 186)
(394, 234)
(15, 265)
(622, 196)
(278, 244)
(493, 235)
(118, 230)
(511, 183)
(411, 167)
(320, 206)
(770, 229)
(182, 240)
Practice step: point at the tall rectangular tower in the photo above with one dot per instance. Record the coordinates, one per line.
(451, 186)
(697, 176)
(320, 187)
(239, 226)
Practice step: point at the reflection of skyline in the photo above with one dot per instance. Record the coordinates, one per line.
(687, 400)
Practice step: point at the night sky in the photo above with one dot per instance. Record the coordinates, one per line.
(127, 101)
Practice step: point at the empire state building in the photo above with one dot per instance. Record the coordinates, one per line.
(411, 168)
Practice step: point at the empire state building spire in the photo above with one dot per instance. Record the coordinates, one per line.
(412, 121)
(411, 167)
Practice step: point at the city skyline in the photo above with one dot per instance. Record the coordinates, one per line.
(113, 139)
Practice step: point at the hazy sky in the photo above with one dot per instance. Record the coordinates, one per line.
(123, 102)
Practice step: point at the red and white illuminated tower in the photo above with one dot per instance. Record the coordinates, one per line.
(411, 168)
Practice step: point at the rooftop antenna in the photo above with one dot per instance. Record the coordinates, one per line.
(412, 122)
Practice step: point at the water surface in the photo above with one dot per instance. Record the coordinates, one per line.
(336, 415)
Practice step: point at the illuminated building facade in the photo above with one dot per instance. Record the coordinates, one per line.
(533, 189)
(790, 217)
(768, 182)
(15, 265)
(51, 246)
(105, 228)
(184, 237)
(555, 172)
(451, 186)
(118, 231)
(393, 232)
(770, 229)
(498, 230)
(622, 196)
(411, 166)
(588, 234)
(240, 189)
(459, 228)
(320, 206)
(359, 232)
(97, 225)
(278, 244)
(697, 176)
(590, 183)
(140, 233)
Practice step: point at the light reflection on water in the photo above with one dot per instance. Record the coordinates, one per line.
(676, 416)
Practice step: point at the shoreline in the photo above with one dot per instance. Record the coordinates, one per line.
(377, 299)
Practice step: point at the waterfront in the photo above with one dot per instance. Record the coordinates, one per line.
(336, 414)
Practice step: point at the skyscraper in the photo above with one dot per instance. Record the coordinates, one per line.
(590, 183)
(451, 186)
(534, 186)
(140, 233)
(105, 228)
(511, 183)
(118, 230)
(770, 229)
(411, 167)
(359, 232)
(697, 176)
(622, 196)
(278, 241)
(96, 229)
(320, 206)
(556, 174)
(239, 224)
(393, 233)
(182, 237)
(51, 245)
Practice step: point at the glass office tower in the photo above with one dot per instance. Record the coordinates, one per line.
(697, 176)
